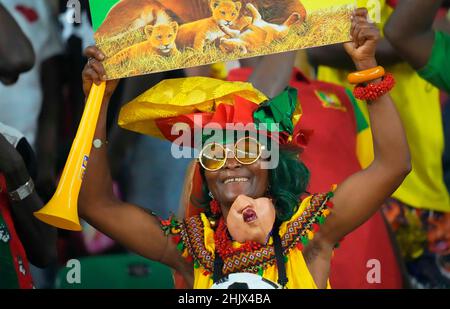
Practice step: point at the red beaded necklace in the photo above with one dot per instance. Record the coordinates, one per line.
(224, 245)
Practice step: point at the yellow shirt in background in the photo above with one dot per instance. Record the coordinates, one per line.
(418, 104)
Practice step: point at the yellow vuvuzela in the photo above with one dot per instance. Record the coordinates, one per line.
(62, 211)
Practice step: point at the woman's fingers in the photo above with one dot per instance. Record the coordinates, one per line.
(369, 33)
(94, 52)
(90, 75)
(362, 32)
(97, 67)
(94, 67)
(359, 24)
(361, 12)
(355, 35)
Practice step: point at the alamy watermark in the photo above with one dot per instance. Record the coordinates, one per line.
(73, 13)
(73, 275)
(373, 276)
(374, 8)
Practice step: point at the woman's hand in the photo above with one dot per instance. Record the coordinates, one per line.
(365, 36)
(94, 72)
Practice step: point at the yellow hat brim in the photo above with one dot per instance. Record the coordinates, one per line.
(182, 96)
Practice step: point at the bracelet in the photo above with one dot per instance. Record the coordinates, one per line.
(373, 91)
(365, 76)
(22, 192)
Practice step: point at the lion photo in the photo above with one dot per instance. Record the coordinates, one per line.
(146, 36)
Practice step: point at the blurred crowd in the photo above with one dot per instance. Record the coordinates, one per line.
(41, 103)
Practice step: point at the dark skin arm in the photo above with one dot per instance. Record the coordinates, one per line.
(130, 225)
(204, 70)
(16, 53)
(120, 140)
(335, 56)
(38, 238)
(272, 73)
(47, 137)
(362, 194)
(410, 30)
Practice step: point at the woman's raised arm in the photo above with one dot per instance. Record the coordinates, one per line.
(130, 225)
(362, 194)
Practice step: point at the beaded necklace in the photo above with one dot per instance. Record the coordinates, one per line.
(224, 244)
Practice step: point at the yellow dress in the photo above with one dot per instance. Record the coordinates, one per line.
(198, 238)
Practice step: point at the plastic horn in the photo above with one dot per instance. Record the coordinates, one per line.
(62, 210)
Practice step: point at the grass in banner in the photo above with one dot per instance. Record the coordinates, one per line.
(146, 36)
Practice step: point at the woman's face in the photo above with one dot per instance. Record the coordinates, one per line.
(235, 179)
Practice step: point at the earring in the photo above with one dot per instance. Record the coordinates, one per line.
(215, 208)
(215, 211)
(211, 195)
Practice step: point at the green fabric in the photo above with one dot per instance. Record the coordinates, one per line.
(121, 271)
(278, 110)
(99, 11)
(287, 182)
(361, 122)
(274, 115)
(437, 71)
(8, 275)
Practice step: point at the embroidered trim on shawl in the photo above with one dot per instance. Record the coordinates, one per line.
(301, 231)
(192, 235)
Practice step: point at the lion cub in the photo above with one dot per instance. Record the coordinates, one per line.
(196, 34)
(160, 41)
(258, 34)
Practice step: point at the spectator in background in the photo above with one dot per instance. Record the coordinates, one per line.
(13, 38)
(32, 104)
(22, 236)
(424, 187)
(423, 40)
(410, 31)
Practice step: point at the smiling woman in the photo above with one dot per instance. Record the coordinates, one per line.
(285, 183)
(254, 213)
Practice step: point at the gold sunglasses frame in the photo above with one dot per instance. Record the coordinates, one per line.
(227, 150)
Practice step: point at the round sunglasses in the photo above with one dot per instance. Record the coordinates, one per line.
(246, 151)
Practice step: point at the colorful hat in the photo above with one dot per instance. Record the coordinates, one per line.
(200, 101)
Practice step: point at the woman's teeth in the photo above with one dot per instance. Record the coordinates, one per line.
(240, 179)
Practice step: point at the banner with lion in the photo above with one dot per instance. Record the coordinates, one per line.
(146, 36)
